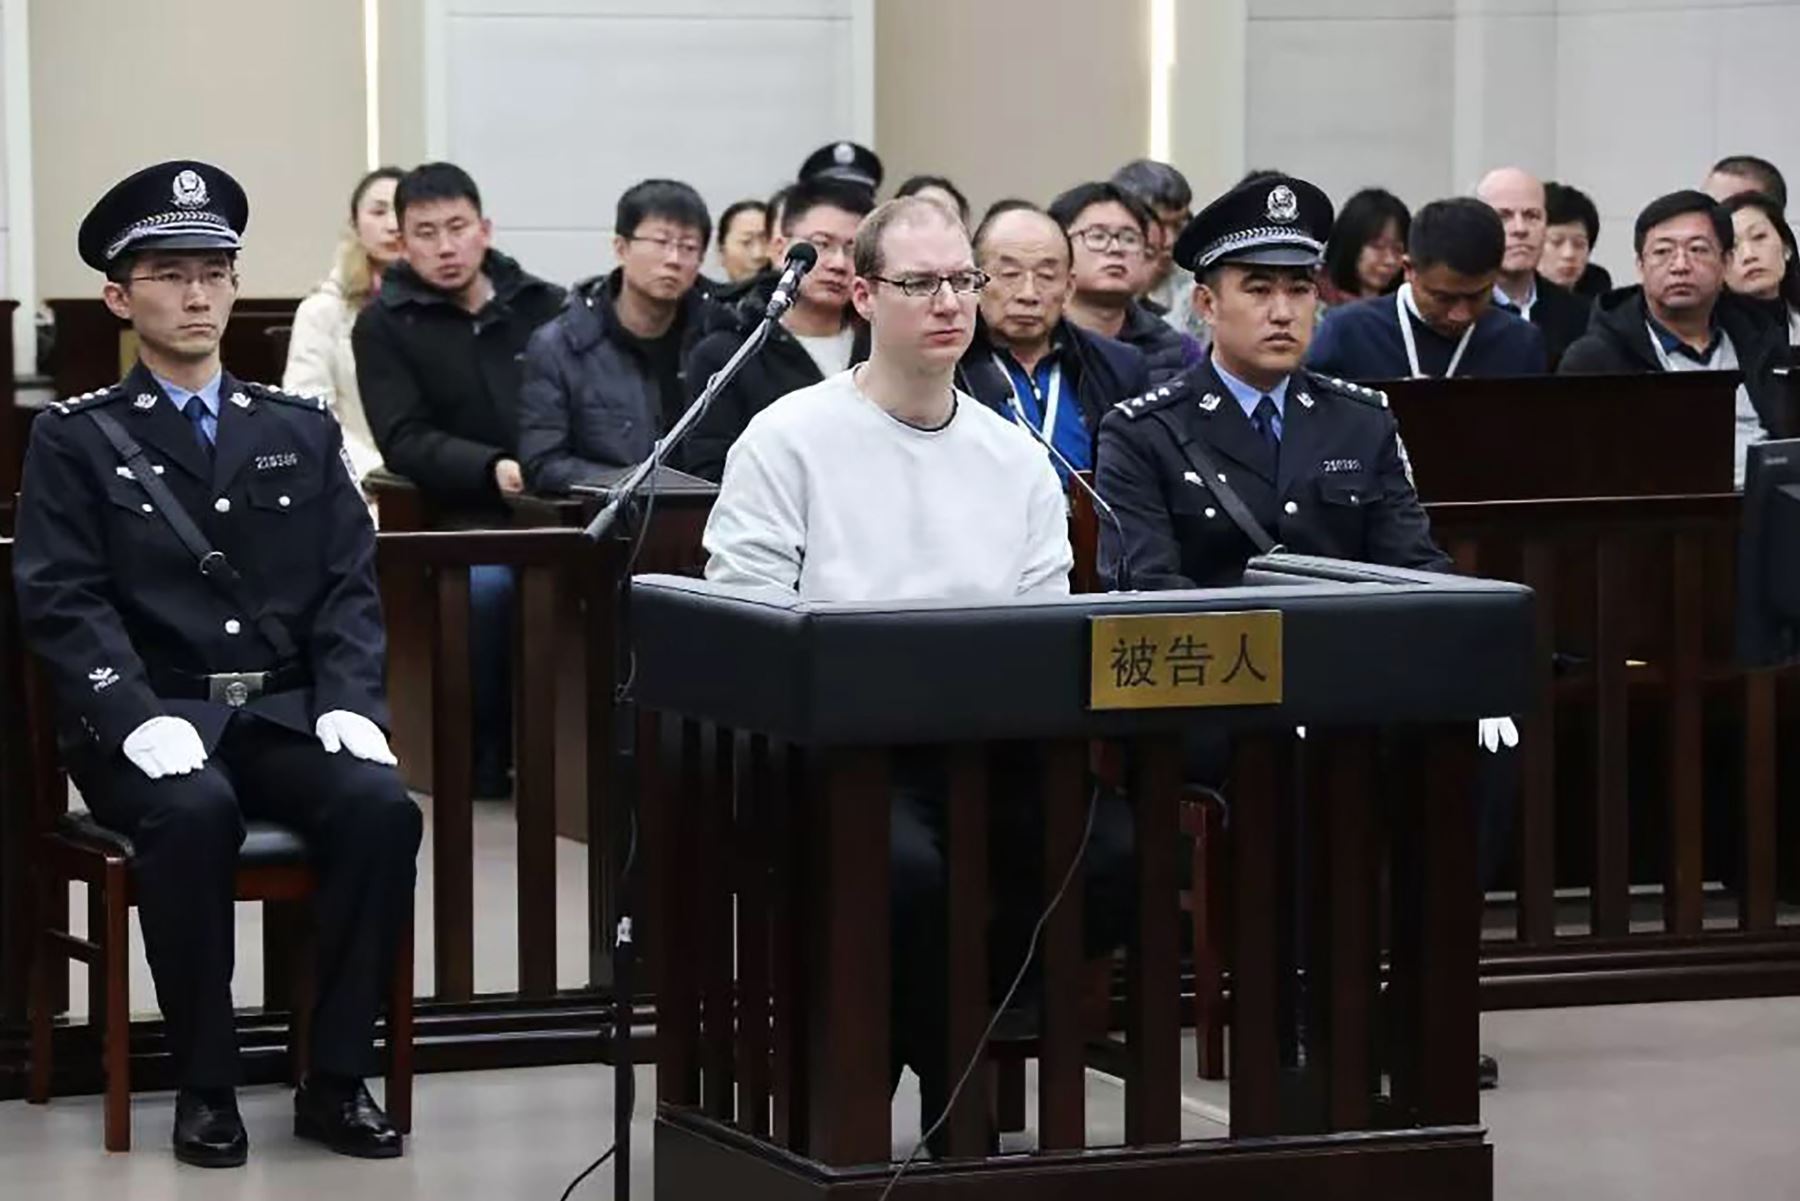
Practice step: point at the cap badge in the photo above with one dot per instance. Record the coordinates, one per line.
(189, 190)
(843, 154)
(1283, 204)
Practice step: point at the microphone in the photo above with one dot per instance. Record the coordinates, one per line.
(1093, 495)
(800, 259)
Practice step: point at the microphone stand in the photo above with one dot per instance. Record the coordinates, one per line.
(624, 499)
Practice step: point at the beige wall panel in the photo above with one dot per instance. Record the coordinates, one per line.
(1011, 97)
(402, 82)
(271, 90)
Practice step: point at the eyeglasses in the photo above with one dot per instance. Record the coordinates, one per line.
(919, 286)
(686, 249)
(1098, 238)
(1700, 250)
(213, 279)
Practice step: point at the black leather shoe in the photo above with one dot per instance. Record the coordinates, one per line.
(1487, 1072)
(343, 1116)
(208, 1131)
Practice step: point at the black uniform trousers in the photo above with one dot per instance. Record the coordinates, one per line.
(362, 833)
(919, 894)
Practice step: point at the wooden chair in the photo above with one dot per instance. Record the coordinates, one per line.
(71, 846)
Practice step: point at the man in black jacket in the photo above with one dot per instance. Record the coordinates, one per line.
(814, 339)
(438, 361)
(1027, 361)
(438, 349)
(604, 379)
(1109, 235)
(1518, 198)
(1680, 318)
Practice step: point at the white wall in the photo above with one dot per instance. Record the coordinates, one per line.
(1626, 99)
(557, 106)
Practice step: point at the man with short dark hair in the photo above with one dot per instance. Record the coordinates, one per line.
(1745, 173)
(1167, 287)
(439, 360)
(438, 350)
(604, 379)
(1109, 230)
(1680, 317)
(1517, 198)
(1442, 322)
(1572, 230)
(1027, 361)
(814, 339)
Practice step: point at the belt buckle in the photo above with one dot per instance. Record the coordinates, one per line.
(235, 688)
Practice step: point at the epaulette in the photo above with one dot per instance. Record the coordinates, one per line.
(1343, 387)
(270, 392)
(86, 401)
(1160, 397)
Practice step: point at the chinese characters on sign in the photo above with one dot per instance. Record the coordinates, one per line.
(1161, 661)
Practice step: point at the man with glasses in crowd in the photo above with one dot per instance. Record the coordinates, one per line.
(1109, 233)
(1027, 361)
(604, 380)
(188, 702)
(1682, 318)
(815, 339)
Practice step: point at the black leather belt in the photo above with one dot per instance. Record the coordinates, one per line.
(234, 688)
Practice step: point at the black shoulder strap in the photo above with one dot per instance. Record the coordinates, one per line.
(212, 563)
(1235, 508)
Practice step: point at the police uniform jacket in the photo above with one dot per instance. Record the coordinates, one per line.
(113, 603)
(1341, 489)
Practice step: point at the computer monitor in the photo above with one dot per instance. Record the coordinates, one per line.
(1768, 601)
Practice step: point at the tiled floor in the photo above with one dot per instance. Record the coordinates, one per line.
(1644, 1103)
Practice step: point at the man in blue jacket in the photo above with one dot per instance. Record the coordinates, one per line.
(1028, 361)
(1442, 322)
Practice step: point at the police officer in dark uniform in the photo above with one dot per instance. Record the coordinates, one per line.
(1247, 450)
(850, 162)
(190, 699)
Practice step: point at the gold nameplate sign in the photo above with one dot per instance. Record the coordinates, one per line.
(1164, 661)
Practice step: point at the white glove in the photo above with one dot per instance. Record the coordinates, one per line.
(165, 746)
(343, 730)
(1490, 732)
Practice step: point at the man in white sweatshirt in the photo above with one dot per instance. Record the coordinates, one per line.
(884, 483)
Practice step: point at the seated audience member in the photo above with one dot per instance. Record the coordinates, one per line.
(1442, 321)
(1367, 248)
(1026, 361)
(845, 162)
(1109, 229)
(1745, 173)
(1762, 265)
(814, 340)
(886, 483)
(1168, 288)
(940, 189)
(320, 360)
(744, 240)
(1518, 198)
(1572, 230)
(1680, 318)
(439, 356)
(603, 380)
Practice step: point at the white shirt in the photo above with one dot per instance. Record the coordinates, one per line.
(1724, 357)
(830, 353)
(826, 494)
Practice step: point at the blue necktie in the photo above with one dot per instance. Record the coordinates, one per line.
(1267, 421)
(195, 411)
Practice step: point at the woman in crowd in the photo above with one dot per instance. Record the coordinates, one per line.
(1762, 264)
(320, 362)
(744, 240)
(1572, 230)
(1367, 242)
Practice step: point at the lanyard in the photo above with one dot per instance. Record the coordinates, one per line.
(1049, 402)
(1403, 302)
